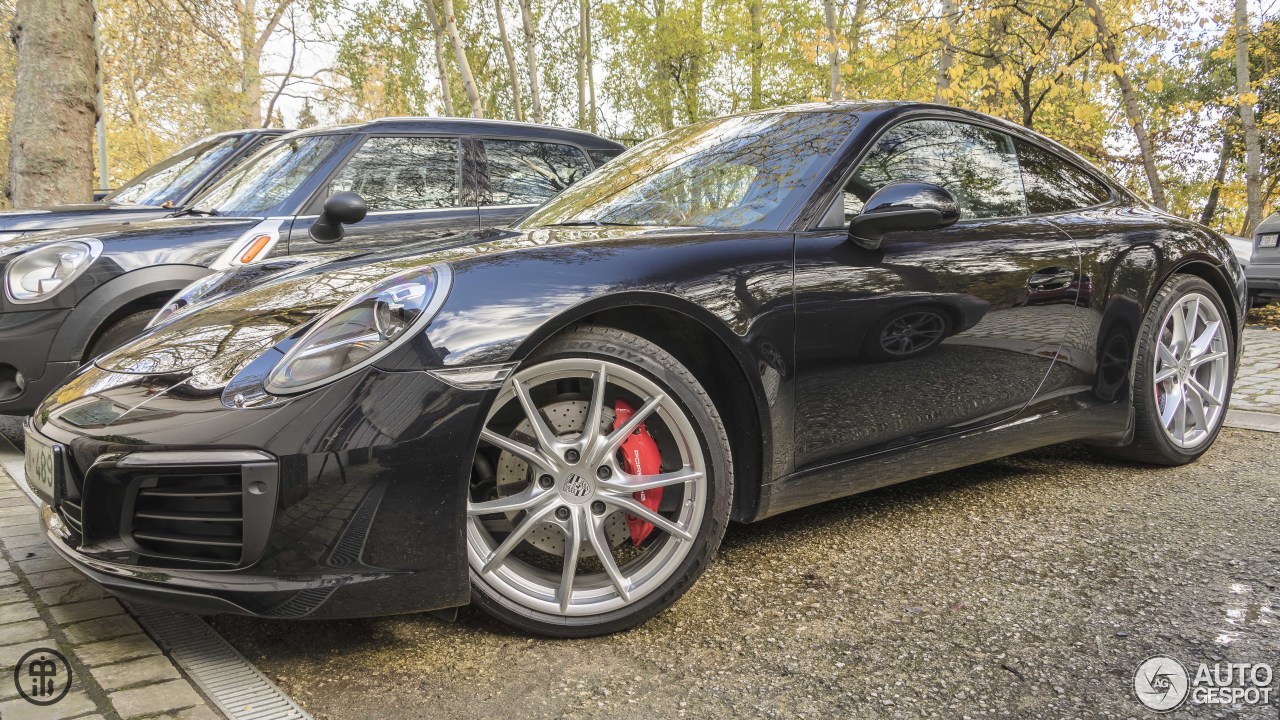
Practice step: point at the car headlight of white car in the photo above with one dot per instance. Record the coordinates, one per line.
(41, 273)
(356, 333)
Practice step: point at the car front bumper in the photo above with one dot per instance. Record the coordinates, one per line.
(348, 501)
(27, 373)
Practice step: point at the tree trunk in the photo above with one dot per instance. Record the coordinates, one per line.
(1220, 176)
(464, 67)
(582, 62)
(755, 55)
(833, 57)
(947, 57)
(437, 36)
(51, 136)
(1252, 145)
(591, 71)
(855, 32)
(250, 65)
(1130, 101)
(512, 74)
(531, 59)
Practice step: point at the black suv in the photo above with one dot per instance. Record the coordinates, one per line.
(160, 190)
(70, 296)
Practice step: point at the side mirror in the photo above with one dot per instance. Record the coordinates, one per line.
(340, 209)
(903, 206)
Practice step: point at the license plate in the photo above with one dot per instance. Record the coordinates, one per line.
(43, 466)
(1269, 240)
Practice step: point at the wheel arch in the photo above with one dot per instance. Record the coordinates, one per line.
(1208, 271)
(704, 345)
(120, 296)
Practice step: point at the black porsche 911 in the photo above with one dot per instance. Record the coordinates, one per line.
(738, 318)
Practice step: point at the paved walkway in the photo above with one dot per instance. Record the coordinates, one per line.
(1255, 400)
(118, 672)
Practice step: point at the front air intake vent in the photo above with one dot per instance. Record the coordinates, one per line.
(195, 516)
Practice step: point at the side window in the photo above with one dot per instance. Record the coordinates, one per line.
(1055, 184)
(528, 173)
(977, 165)
(402, 173)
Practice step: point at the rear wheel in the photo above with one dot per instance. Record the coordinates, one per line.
(119, 333)
(601, 487)
(1183, 374)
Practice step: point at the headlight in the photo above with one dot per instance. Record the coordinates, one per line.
(41, 273)
(188, 297)
(354, 334)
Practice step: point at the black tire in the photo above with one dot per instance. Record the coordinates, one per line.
(1150, 444)
(119, 333)
(661, 367)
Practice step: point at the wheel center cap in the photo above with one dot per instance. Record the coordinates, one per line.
(576, 489)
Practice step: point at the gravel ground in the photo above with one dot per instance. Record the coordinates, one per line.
(1030, 587)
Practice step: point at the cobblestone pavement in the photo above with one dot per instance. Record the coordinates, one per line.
(1258, 383)
(118, 672)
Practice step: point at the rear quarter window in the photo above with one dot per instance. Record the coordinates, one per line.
(1055, 184)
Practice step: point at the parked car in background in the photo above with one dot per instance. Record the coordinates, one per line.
(1241, 246)
(1263, 270)
(736, 319)
(71, 295)
(161, 190)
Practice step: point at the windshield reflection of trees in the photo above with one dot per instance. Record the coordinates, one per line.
(736, 172)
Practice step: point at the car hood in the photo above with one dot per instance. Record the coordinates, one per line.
(59, 217)
(218, 339)
(181, 240)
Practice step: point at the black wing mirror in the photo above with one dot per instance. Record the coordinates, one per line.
(903, 206)
(340, 209)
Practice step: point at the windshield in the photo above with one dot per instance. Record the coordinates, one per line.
(168, 182)
(268, 179)
(735, 172)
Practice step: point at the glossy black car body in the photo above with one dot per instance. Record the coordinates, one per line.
(142, 264)
(1263, 271)
(161, 190)
(354, 493)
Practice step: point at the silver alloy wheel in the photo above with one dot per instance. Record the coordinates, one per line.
(587, 486)
(1191, 370)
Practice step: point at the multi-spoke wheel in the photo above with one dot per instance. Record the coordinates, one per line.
(1182, 381)
(601, 487)
(906, 333)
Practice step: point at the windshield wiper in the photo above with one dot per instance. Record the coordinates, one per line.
(195, 211)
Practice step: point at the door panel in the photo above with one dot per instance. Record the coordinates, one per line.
(934, 333)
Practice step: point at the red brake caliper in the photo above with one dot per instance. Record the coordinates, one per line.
(640, 456)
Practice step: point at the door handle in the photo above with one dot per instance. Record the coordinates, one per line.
(1054, 277)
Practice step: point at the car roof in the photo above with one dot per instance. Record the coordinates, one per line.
(466, 126)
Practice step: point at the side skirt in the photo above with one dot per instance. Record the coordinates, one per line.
(858, 475)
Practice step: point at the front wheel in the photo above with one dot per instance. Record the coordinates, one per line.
(1183, 374)
(601, 488)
